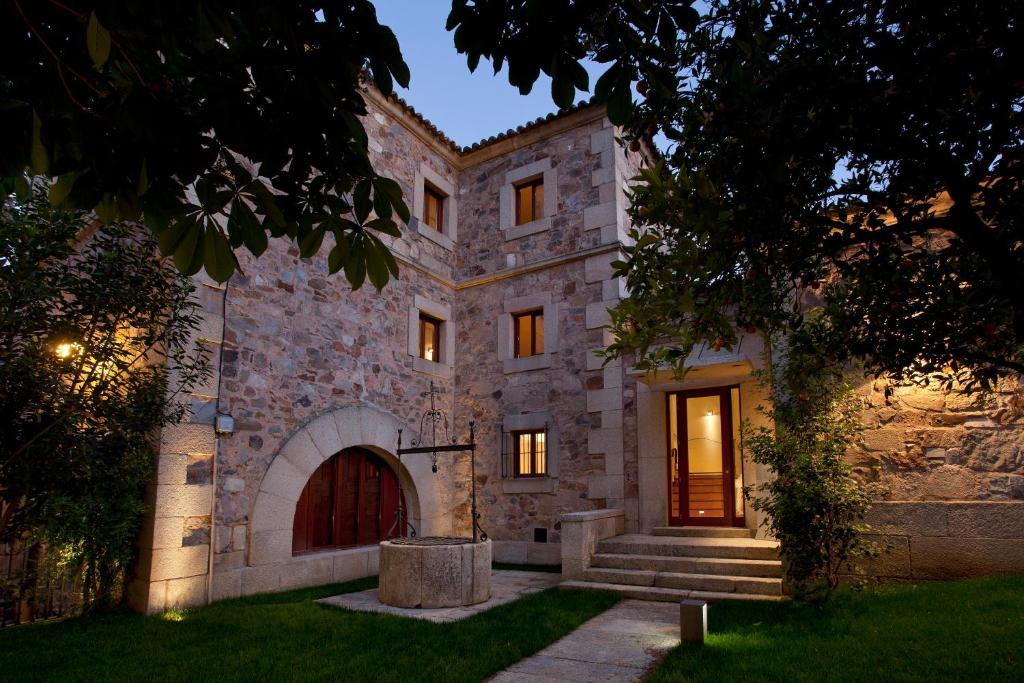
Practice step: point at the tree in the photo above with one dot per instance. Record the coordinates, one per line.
(89, 328)
(860, 157)
(217, 123)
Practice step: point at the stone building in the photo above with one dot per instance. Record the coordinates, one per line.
(286, 475)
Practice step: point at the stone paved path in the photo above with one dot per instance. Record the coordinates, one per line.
(622, 644)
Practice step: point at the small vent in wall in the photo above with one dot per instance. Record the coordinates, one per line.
(540, 535)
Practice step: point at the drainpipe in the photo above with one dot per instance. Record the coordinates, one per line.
(218, 430)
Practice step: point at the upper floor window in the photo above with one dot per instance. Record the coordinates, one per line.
(530, 452)
(430, 338)
(529, 333)
(529, 201)
(433, 208)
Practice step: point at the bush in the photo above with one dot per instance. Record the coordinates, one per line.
(89, 324)
(814, 505)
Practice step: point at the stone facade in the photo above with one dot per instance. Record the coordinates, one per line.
(308, 367)
(952, 466)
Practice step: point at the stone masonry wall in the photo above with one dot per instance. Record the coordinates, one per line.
(954, 473)
(300, 343)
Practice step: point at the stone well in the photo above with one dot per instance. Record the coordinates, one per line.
(434, 571)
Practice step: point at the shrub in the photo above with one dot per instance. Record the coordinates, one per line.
(814, 505)
(89, 326)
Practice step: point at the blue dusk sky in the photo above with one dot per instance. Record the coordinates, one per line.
(467, 107)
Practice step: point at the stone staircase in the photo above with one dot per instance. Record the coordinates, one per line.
(675, 563)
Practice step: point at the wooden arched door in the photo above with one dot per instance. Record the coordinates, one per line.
(350, 500)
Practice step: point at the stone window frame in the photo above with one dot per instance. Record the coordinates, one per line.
(507, 198)
(450, 210)
(443, 313)
(529, 422)
(506, 335)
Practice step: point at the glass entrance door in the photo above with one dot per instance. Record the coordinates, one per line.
(705, 463)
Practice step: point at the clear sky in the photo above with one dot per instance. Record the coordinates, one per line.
(467, 107)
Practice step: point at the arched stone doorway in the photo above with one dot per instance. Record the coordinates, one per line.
(270, 563)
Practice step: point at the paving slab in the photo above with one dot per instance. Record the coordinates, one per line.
(622, 644)
(506, 586)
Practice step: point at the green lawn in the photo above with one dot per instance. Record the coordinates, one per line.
(287, 636)
(968, 631)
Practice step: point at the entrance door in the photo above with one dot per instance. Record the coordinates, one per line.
(705, 465)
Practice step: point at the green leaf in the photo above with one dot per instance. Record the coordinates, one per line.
(620, 104)
(310, 243)
(107, 209)
(217, 255)
(188, 256)
(253, 234)
(562, 91)
(394, 193)
(376, 266)
(355, 265)
(339, 255)
(143, 183)
(40, 159)
(97, 38)
(386, 226)
(169, 238)
(361, 200)
(60, 190)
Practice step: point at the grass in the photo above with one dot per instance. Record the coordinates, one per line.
(968, 630)
(288, 636)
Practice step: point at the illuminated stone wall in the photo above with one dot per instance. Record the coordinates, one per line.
(954, 473)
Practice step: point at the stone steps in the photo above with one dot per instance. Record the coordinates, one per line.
(689, 565)
(703, 531)
(704, 547)
(694, 582)
(667, 594)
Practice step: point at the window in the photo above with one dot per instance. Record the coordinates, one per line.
(433, 208)
(529, 201)
(430, 338)
(350, 500)
(529, 333)
(530, 453)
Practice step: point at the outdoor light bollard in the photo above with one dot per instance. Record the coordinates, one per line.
(693, 621)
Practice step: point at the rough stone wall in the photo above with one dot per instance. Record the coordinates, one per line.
(300, 343)
(953, 469)
(587, 403)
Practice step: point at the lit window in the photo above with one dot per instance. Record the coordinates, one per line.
(531, 453)
(430, 338)
(433, 208)
(529, 333)
(529, 201)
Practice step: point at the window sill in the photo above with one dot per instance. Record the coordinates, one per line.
(429, 367)
(530, 485)
(434, 236)
(517, 231)
(538, 362)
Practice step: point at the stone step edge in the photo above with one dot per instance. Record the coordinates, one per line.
(702, 532)
(667, 594)
(688, 576)
(739, 561)
(723, 552)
